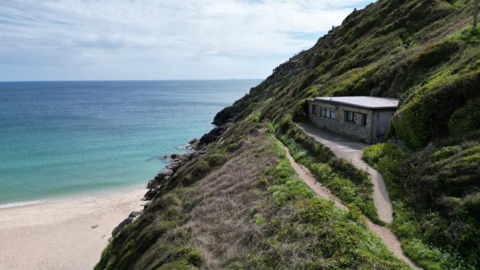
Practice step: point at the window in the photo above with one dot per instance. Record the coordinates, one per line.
(314, 109)
(328, 113)
(350, 117)
(332, 113)
(364, 119)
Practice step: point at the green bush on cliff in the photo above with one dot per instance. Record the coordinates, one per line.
(434, 210)
(426, 113)
(466, 119)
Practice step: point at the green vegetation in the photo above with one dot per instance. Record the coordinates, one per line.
(248, 213)
(466, 119)
(436, 199)
(239, 207)
(427, 54)
(352, 185)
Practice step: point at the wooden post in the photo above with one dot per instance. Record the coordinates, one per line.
(475, 13)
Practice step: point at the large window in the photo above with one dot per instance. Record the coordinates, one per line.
(350, 117)
(328, 113)
(314, 109)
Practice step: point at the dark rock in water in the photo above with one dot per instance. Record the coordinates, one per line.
(175, 166)
(193, 142)
(122, 225)
(174, 156)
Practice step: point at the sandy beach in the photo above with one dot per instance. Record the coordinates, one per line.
(66, 235)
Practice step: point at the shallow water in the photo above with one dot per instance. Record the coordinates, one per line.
(64, 138)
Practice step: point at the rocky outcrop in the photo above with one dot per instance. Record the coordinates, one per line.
(212, 136)
(129, 220)
(160, 181)
(224, 116)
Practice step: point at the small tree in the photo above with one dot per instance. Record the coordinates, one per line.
(475, 13)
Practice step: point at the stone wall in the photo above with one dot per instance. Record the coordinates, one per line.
(322, 121)
(356, 130)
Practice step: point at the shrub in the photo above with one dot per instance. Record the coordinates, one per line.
(446, 152)
(425, 115)
(465, 119)
(216, 159)
(433, 210)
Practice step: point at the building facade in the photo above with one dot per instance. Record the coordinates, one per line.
(365, 118)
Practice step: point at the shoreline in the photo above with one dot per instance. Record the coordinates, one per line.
(69, 234)
(81, 196)
(94, 194)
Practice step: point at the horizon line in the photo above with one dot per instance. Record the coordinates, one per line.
(232, 79)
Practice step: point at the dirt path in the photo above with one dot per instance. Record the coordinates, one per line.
(391, 241)
(346, 148)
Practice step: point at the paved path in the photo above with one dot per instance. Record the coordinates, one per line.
(352, 150)
(389, 239)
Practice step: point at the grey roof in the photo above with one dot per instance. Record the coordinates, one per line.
(372, 103)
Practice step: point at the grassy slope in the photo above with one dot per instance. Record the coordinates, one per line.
(425, 53)
(419, 50)
(246, 212)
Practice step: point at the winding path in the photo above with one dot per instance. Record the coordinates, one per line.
(349, 149)
(353, 151)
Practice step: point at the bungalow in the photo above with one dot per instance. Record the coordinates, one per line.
(365, 118)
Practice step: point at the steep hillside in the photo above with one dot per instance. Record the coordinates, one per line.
(427, 54)
(423, 52)
(238, 206)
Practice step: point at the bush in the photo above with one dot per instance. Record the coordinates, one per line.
(425, 114)
(433, 210)
(216, 159)
(465, 119)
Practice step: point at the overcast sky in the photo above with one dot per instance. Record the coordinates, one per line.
(158, 39)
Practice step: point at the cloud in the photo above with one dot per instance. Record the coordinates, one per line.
(146, 39)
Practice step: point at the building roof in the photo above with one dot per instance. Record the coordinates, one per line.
(372, 103)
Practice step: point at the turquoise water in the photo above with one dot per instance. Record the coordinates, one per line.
(64, 138)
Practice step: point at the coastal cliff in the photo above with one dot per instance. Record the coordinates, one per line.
(236, 203)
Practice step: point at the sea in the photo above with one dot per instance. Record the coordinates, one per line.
(74, 139)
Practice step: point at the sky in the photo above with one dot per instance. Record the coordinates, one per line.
(158, 39)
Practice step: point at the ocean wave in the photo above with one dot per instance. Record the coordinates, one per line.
(17, 204)
(59, 200)
(187, 147)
